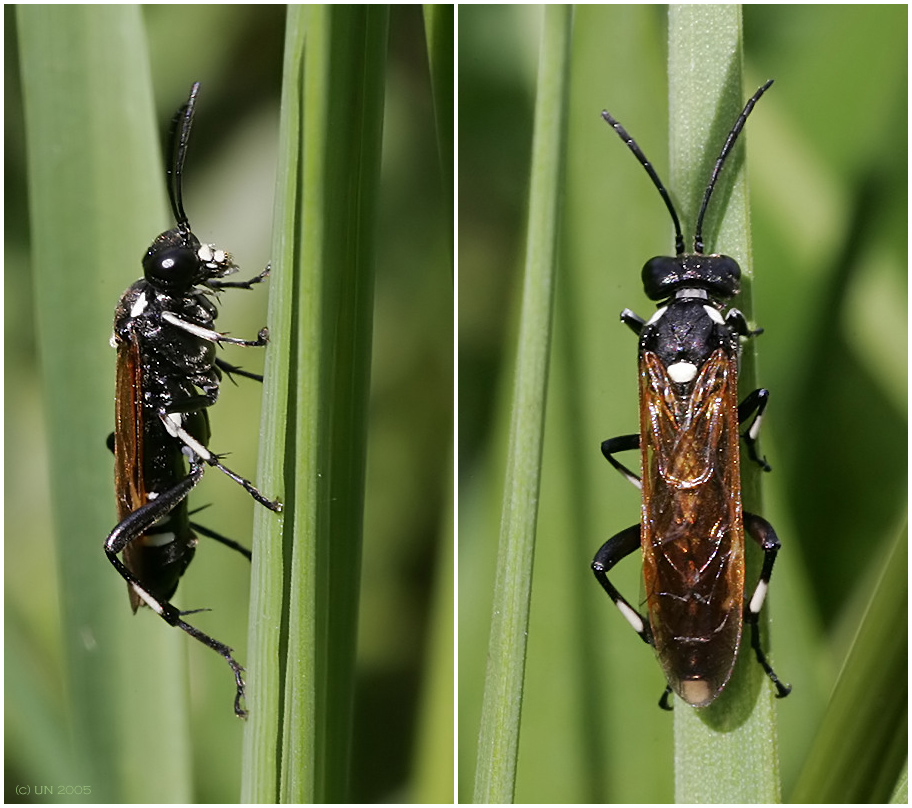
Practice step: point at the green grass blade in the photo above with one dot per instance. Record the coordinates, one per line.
(433, 758)
(268, 626)
(438, 24)
(323, 264)
(727, 752)
(499, 737)
(96, 191)
(860, 751)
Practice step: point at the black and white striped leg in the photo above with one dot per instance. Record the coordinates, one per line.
(611, 552)
(762, 532)
(215, 336)
(133, 527)
(623, 443)
(754, 404)
(173, 422)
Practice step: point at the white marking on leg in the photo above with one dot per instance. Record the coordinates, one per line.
(173, 422)
(756, 603)
(634, 479)
(191, 328)
(754, 430)
(631, 616)
(148, 599)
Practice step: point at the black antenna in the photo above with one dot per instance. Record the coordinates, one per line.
(729, 145)
(180, 134)
(638, 152)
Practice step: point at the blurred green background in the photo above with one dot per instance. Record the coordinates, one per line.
(827, 162)
(236, 52)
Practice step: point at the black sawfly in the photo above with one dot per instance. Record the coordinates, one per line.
(692, 526)
(167, 377)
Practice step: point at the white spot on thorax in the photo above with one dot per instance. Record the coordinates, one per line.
(682, 372)
(681, 294)
(139, 305)
(657, 316)
(713, 314)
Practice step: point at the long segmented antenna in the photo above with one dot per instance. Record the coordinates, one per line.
(726, 149)
(729, 145)
(638, 153)
(180, 135)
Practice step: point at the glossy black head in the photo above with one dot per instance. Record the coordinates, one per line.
(719, 275)
(177, 261)
(172, 263)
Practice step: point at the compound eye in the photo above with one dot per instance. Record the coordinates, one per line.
(660, 276)
(175, 268)
(726, 275)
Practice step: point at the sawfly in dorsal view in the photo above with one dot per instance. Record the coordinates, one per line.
(167, 377)
(692, 526)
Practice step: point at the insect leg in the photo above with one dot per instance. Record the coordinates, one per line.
(211, 534)
(233, 370)
(611, 552)
(633, 321)
(755, 404)
(173, 422)
(216, 284)
(134, 526)
(624, 443)
(762, 532)
(215, 336)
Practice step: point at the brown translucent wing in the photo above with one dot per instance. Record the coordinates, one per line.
(692, 527)
(128, 459)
